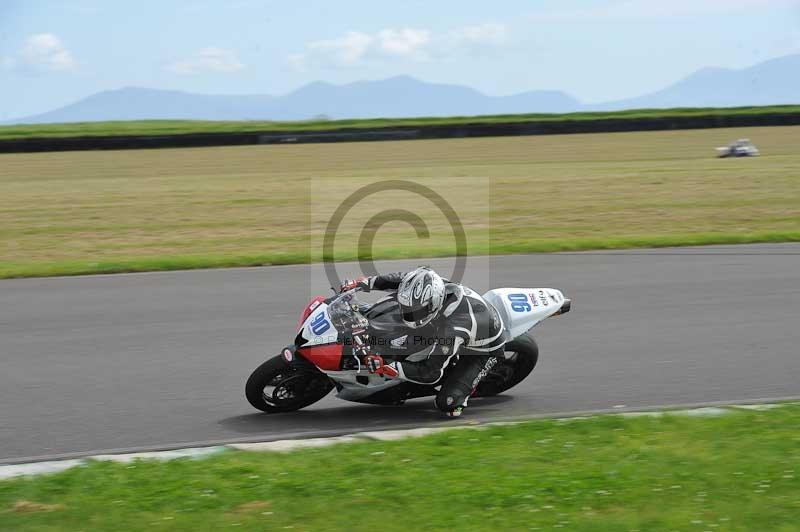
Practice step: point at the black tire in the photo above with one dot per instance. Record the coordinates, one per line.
(510, 372)
(296, 388)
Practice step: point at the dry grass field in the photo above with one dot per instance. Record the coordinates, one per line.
(84, 212)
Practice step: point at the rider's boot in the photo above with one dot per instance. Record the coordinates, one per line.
(455, 413)
(462, 382)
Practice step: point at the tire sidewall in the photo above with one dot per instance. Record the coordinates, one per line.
(254, 388)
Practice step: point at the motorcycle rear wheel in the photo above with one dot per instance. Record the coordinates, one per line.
(513, 370)
(276, 386)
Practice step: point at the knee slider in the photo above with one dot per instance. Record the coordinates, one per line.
(449, 400)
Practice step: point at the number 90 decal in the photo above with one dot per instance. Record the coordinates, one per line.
(519, 302)
(319, 324)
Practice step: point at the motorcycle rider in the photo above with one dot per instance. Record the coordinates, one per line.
(452, 319)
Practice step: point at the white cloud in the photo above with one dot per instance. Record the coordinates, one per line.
(42, 52)
(296, 61)
(209, 59)
(406, 42)
(348, 49)
(489, 33)
(415, 44)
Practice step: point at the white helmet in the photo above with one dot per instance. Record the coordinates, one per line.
(421, 296)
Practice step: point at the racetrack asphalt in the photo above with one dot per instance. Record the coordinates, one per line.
(159, 360)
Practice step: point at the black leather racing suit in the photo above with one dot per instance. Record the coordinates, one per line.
(467, 327)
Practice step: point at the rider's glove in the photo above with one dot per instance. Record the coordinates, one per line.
(349, 284)
(375, 365)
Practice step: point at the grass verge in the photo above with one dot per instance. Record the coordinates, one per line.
(740, 471)
(171, 263)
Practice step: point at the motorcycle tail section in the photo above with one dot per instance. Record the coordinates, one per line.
(521, 309)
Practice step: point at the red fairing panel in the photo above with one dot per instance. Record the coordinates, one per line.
(314, 303)
(326, 357)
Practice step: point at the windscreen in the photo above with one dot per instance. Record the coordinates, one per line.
(345, 314)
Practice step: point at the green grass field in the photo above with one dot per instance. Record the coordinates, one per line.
(90, 212)
(736, 472)
(172, 127)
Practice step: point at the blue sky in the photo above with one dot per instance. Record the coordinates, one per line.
(53, 53)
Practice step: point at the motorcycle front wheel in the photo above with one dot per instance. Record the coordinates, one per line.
(276, 386)
(522, 354)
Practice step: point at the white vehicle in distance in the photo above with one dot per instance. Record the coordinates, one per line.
(739, 148)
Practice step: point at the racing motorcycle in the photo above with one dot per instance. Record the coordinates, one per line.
(336, 334)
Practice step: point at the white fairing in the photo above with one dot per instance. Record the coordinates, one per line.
(352, 390)
(522, 308)
(318, 329)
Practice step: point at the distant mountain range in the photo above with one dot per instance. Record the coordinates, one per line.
(772, 82)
